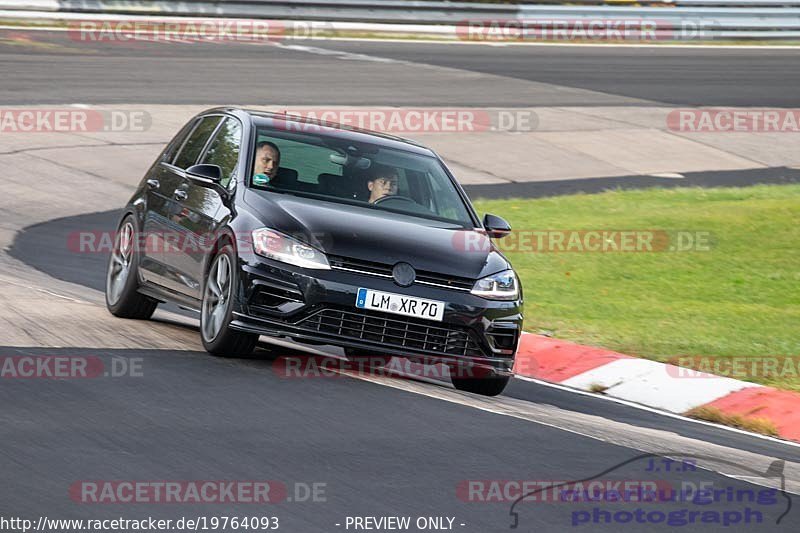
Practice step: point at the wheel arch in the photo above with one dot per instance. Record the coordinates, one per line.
(225, 236)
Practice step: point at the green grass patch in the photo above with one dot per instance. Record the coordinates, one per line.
(740, 297)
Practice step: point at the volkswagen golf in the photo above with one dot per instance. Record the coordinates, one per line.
(271, 224)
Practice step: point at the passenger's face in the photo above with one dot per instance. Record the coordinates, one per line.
(267, 161)
(383, 186)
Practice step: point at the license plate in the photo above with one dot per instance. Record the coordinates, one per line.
(400, 304)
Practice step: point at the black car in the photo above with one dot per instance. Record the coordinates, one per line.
(269, 224)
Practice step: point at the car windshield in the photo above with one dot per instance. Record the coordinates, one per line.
(356, 173)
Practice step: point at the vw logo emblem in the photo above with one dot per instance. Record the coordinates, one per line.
(404, 274)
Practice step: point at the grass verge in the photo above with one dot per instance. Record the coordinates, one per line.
(737, 298)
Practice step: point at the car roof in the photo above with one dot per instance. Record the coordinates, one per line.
(350, 133)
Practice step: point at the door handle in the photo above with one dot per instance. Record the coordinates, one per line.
(181, 195)
(153, 183)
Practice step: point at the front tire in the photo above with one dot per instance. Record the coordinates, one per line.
(217, 309)
(122, 277)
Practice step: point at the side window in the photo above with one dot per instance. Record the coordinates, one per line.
(176, 143)
(197, 140)
(224, 149)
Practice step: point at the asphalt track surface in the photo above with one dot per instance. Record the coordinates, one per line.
(378, 450)
(674, 76)
(57, 68)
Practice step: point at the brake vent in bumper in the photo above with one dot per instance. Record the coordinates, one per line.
(503, 338)
(271, 298)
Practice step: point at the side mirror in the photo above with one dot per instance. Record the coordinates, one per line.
(495, 226)
(208, 175)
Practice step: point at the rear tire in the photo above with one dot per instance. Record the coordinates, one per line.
(122, 277)
(491, 385)
(217, 309)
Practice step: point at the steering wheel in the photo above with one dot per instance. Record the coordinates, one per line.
(394, 197)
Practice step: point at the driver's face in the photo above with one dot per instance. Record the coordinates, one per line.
(267, 161)
(380, 187)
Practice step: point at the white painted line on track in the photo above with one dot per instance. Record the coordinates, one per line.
(43, 290)
(336, 53)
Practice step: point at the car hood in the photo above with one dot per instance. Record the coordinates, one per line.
(378, 236)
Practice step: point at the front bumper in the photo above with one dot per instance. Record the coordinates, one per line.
(318, 306)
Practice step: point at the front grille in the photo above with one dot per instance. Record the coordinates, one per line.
(384, 270)
(406, 333)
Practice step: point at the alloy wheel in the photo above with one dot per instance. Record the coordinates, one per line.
(120, 267)
(216, 298)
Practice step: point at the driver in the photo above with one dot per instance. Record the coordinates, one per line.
(383, 182)
(268, 161)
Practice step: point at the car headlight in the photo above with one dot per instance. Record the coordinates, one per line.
(500, 286)
(280, 247)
